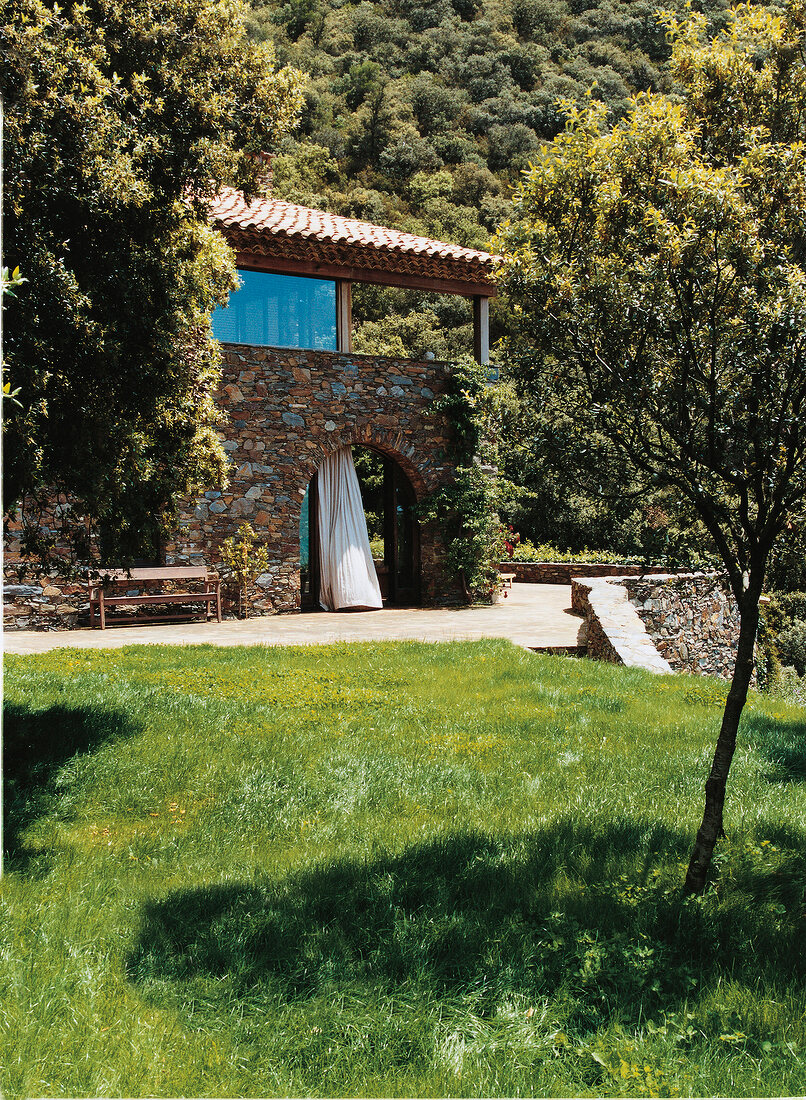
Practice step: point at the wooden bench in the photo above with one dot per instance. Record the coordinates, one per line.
(507, 579)
(209, 595)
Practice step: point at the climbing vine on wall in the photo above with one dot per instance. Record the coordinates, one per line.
(468, 511)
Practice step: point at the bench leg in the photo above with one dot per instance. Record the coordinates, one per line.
(101, 609)
(218, 599)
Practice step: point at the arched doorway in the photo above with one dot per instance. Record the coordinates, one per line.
(394, 533)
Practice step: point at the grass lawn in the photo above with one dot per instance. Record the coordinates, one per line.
(392, 870)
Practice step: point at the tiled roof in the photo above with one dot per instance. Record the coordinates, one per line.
(353, 242)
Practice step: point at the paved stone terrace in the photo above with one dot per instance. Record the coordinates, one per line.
(533, 616)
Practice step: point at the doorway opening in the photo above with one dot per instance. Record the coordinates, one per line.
(394, 533)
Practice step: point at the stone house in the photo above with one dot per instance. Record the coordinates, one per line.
(293, 392)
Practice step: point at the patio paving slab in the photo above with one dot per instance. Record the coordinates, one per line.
(535, 616)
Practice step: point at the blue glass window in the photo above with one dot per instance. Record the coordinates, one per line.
(283, 311)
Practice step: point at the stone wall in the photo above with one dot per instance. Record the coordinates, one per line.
(692, 619)
(669, 622)
(44, 603)
(562, 572)
(284, 411)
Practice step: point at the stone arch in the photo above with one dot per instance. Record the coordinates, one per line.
(400, 568)
(391, 444)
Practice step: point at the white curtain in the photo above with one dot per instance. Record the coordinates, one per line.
(347, 577)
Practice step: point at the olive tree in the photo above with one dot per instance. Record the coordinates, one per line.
(656, 274)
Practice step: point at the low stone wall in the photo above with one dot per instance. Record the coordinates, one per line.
(53, 603)
(614, 632)
(667, 623)
(44, 603)
(562, 572)
(692, 619)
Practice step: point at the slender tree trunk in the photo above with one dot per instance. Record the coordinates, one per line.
(711, 828)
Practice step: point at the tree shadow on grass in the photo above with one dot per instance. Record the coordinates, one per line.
(568, 910)
(37, 744)
(783, 744)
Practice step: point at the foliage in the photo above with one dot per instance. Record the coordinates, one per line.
(784, 608)
(789, 687)
(791, 644)
(469, 509)
(768, 663)
(245, 559)
(635, 247)
(475, 542)
(8, 284)
(10, 280)
(581, 496)
(787, 568)
(120, 121)
(527, 551)
(369, 468)
(782, 638)
(375, 869)
(657, 271)
(407, 323)
(422, 115)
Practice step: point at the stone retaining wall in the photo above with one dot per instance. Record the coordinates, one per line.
(562, 572)
(692, 619)
(670, 622)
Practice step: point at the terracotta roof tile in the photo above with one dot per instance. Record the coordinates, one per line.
(230, 210)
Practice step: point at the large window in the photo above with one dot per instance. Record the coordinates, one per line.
(283, 311)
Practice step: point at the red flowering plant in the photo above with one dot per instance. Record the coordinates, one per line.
(511, 540)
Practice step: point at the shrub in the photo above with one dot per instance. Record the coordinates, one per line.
(245, 559)
(791, 644)
(782, 638)
(527, 551)
(474, 535)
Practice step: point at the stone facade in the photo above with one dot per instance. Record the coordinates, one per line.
(284, 411)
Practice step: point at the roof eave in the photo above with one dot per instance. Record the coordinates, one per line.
(284, 254)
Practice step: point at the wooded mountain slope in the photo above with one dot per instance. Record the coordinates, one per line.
(420, 113)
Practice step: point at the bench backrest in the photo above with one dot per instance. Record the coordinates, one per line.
(156, 573)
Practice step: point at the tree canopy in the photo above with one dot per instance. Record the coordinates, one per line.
(121, 120)
(656, 270)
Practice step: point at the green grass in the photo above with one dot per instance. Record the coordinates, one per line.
(392, 870)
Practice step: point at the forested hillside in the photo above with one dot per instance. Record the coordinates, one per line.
(421, 113)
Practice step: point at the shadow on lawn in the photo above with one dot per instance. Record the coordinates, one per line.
(568, 911)
(783, 744)
(37, 744)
